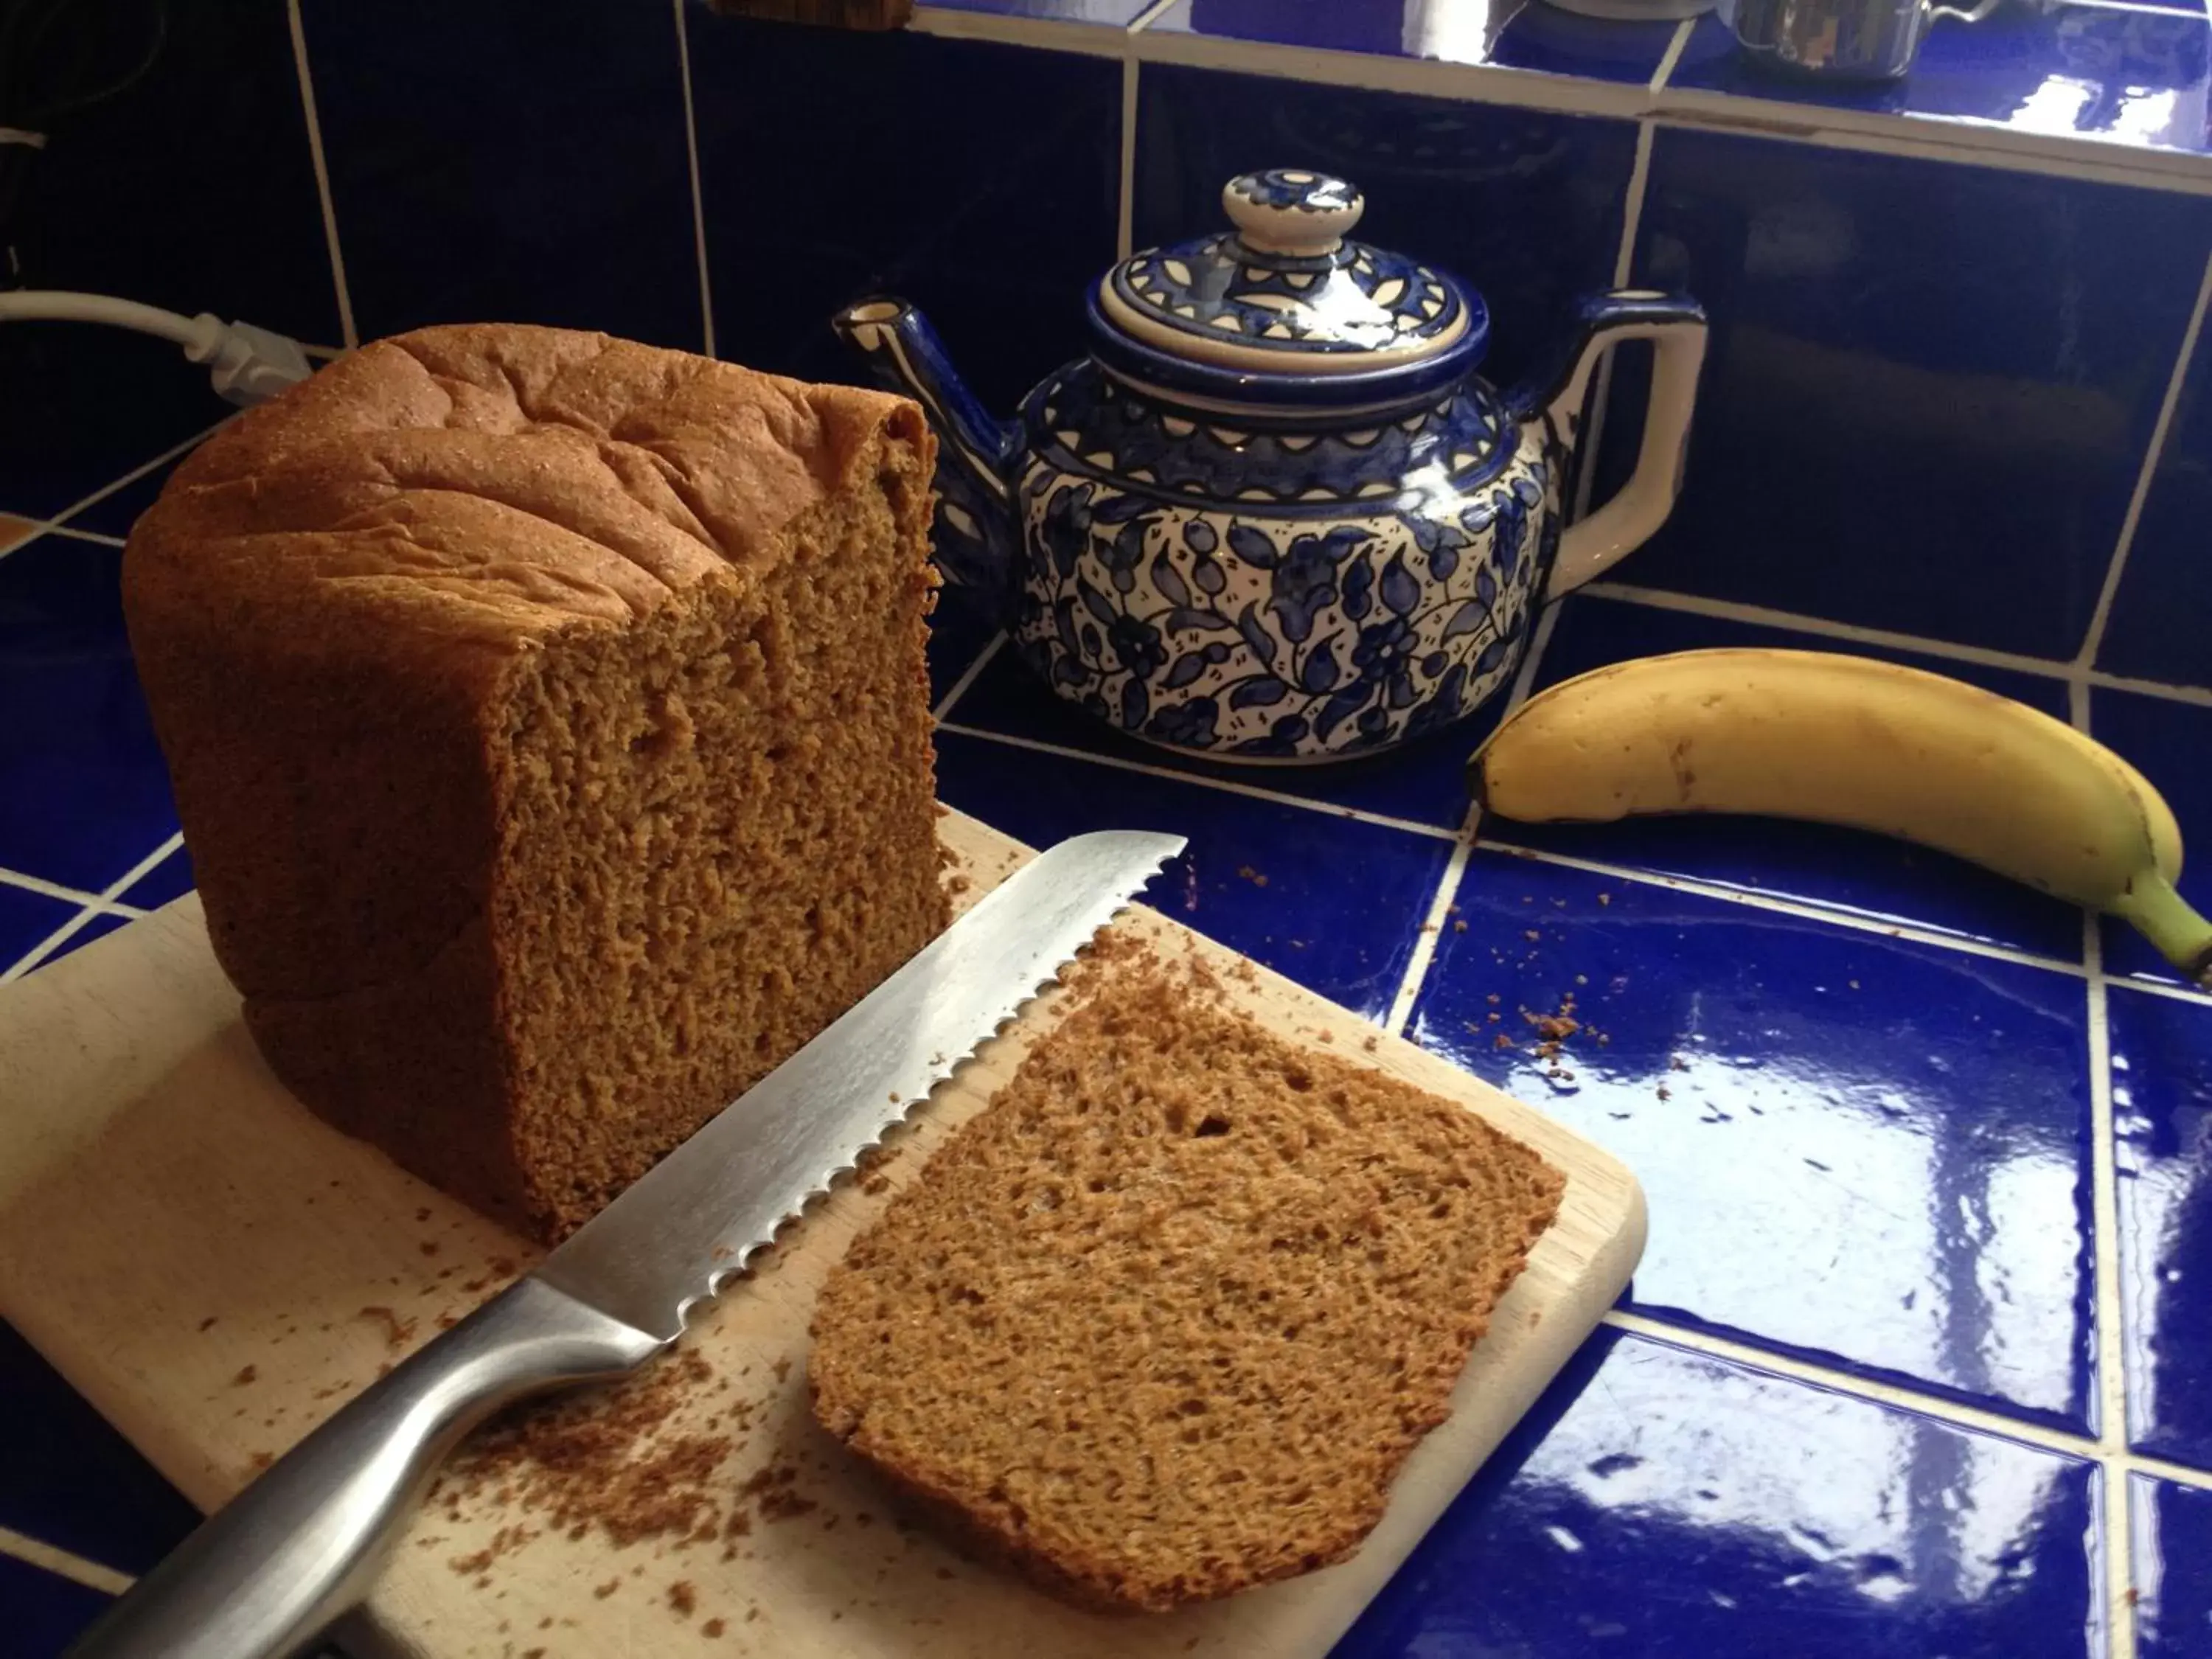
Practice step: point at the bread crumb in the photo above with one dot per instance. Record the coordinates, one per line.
(683, 1597)
(397, 1332)
(246, 1375)
(1458, 927)
(208, 1324)
(600, 1592)
(712, 1630)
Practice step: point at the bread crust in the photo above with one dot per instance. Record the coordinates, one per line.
(330, 606)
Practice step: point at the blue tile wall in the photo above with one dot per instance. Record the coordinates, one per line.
(506, 164)
(1525, 204)
(74, 1481)
(1019, 150)
(84, 793)
(1660, 1503)
(2162, 1115)
(26, 919)
(1423, 783)
(44, 1612)
(192, 190)
(2173, 1529)
(2161, 621)
(1333, 904)
(1929, 385)
(1854, 1146)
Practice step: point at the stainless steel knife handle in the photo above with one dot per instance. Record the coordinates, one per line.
(265, 1574)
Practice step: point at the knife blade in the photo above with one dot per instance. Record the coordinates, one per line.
(262, 1577)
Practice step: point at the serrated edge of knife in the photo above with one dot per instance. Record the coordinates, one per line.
(740, 1262)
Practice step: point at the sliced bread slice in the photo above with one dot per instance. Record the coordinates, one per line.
(1163, 1322)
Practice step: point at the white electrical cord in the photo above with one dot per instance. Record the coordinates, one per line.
(248, 365)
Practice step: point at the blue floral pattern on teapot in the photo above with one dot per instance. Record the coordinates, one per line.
(1264, 527)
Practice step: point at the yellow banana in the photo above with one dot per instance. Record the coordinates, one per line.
(1850, 740)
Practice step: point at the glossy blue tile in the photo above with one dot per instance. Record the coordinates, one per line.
(191, 188)
(2171, 1531)
(44, 1612)
(2167, 742)
(74, 1481)
(84, 793)
(1333, 904)
(1855, 1148)
(26, 919)
(1423, 783)
(106, 402)
(1503, 33)
(2160, 626)
(958, 633)
(2162, 1116)
(1861, 874)
(2135, 79)
(1021, 153)
(492, 164)
(1929, 387)
(171, 878)
(1524, 204)
(1662, 1505)
(113, 514)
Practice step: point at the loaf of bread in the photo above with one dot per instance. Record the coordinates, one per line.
(1163, 1319)
(549, 724)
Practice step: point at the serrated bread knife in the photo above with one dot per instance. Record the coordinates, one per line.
(263, 1575)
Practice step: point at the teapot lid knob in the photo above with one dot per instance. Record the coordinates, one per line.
(1291, 211)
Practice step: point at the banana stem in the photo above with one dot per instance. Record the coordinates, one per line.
(2165, 918)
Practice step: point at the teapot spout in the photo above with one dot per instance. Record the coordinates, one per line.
(976, 531)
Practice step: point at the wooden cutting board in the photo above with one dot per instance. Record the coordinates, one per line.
(217, 1270)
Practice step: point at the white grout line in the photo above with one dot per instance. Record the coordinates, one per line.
(60, 520)
(99, 536)
(1730, 611)
(1150, 16)
(1433, 929)
(54, 890)
(2179, 1474)
(1863, 1388)
(2157, 989)
(322, 175)
(63, 1563)
(1788, 907)
(2199, 695)
(45, 949)
(969, 675)
(1935, 138)
(1012, 29)
(698, 200)
(1670, 57)
(1125, 220)
(2101, 618)
(2105, 1238)
(1251, 792)
(1485, 83)
(1440, 904)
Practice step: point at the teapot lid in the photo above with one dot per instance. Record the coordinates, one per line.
(1283, 311)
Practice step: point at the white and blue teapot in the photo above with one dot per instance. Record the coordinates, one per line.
(1276, 516)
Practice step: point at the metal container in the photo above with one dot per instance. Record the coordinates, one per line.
(1839, 40)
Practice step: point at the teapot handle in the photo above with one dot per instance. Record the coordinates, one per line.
(1676, 327)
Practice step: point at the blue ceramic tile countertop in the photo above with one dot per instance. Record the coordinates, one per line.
(1920, 1161)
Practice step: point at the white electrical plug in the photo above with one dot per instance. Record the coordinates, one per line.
(247, 365)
